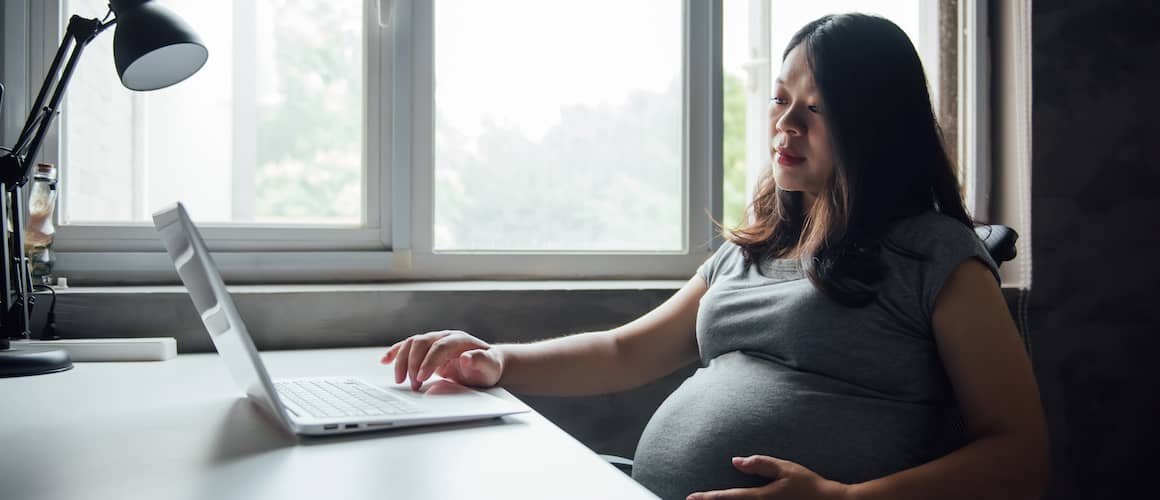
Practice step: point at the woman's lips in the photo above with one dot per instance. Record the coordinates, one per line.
(788, 159)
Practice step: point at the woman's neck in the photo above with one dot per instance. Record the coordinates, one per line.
(808, 200)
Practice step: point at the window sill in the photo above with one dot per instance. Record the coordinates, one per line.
(414, 286)
(349, 315)
(268, 267)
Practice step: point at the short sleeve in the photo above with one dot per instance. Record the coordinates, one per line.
(951, 244)
(711, 268)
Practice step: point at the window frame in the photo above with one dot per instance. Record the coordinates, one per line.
(132, 253)
(974, 107)
(396, 244)
(139, 237)
(413, 233)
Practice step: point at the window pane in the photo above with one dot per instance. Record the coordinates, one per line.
(746, 147)
(268, 132)
(558, 125)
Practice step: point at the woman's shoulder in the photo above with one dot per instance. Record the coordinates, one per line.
(937, 240)
(727, 255)
(728, 247)
(713, 264)
(931, 230)
(925, 249)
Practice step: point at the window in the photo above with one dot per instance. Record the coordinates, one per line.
(571, 143)
(268, 145)
(444, 139)
(339, 141)
(949, 36)
(269, 132)
(650, 238)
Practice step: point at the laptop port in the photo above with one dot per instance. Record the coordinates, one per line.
(330, 427)
(352, 426)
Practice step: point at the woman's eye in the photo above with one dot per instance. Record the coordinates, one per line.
(783, 101)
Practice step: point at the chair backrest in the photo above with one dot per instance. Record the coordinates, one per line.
(999, 240)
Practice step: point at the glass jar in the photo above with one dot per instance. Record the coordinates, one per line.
(40, 228)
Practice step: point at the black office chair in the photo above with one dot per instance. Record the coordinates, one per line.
(999, 240)
(1000, 243)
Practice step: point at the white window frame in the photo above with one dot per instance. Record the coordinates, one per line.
(701, 167)
(397, 243)
(131, 253)
(975, 106)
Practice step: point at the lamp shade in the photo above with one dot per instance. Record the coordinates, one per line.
(152, 47)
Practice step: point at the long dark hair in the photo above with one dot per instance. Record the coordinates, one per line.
(890, 162)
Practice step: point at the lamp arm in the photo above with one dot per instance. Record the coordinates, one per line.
(16, 163)
(34, 115)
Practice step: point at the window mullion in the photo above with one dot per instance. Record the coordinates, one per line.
(757, 94)
(409, 29)
(244, 150)
(703, 122)
(975, 112)
(377, 125)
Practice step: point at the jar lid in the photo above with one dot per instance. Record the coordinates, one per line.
(45, 171)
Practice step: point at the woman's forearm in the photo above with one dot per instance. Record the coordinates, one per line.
(576, 365)
(624, 357)
(1001, 466)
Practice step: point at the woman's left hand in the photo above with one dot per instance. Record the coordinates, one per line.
(788, 481)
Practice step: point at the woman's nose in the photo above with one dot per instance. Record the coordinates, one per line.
(788, 123)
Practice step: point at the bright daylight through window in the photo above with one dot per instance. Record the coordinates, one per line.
(468, 138)
(563, 130)
(269, 132)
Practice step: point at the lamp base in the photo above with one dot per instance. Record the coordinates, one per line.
(20, 361)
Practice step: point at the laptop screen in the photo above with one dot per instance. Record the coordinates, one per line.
(200, 275)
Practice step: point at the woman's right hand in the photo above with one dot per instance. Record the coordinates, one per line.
(451, 354)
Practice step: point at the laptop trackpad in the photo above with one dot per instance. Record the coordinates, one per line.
(444, 388)
(441, 395)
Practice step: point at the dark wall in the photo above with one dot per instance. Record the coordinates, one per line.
(1094, 316)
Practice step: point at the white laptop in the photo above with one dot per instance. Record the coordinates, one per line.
(316, 405)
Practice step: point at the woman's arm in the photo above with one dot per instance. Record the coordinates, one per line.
(625, 357)
(648, 348)
(1007, 455)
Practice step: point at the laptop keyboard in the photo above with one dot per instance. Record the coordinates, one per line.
(326, 397)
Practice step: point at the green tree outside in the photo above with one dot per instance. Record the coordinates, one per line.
(309, 144)
(308, 154)
(733, 152)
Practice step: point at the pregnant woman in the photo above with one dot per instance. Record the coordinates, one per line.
(852, 336)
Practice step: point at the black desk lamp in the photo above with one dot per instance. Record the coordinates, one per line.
(152, 49)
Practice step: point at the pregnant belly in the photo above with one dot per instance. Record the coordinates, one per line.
(741, 405)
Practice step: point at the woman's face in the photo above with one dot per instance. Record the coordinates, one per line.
(803, 159)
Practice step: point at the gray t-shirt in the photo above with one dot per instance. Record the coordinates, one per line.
(851, 393)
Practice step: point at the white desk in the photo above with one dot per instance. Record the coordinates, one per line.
(181, 429)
